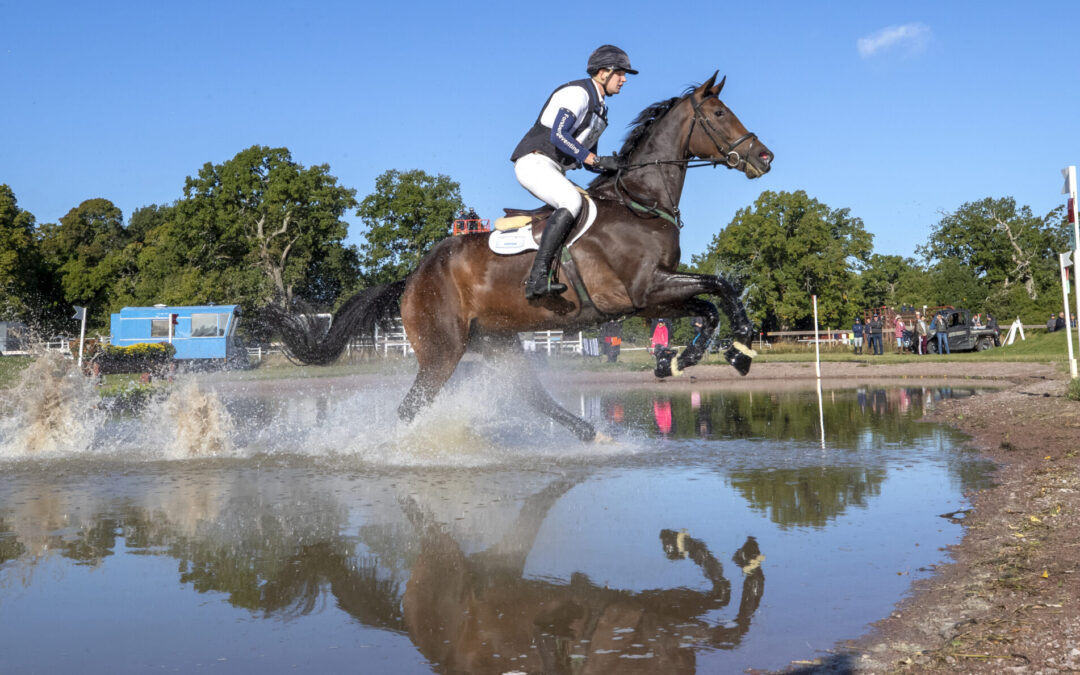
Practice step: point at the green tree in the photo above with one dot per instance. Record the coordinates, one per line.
(1010, 252)
(18, 256)
(406, 215)
(786, 248)
(261, 225)
(84, 251)
(892, 281)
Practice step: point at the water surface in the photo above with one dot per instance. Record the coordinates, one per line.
(302, 527)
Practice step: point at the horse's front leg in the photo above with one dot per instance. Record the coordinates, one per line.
(679, 289)
(695, 351)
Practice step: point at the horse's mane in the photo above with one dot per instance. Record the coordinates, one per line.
(639, 129)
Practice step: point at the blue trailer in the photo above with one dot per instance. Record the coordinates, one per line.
(197, 332)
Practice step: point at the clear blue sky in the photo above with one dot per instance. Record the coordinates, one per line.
(896, 111)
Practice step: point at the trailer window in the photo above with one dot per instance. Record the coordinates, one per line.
(209, 325)
(159, 328)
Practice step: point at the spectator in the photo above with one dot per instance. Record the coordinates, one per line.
(942, 332)
(1051, 323)
(611, 334)
(698, 323)
(659, 348)
(875, 335)
(856, 335)
(1059, 324)
(660, 335)
(992, 324)
(898, 333)
(920, 334)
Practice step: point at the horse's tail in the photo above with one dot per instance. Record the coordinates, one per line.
(303, 335)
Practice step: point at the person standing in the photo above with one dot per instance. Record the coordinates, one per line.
(563, 137)
(1059, 323)
(1051, 323)
(856, 335)
(942, 334)
(611, 332)
(898, 333)
(920, 333)
(875, 335)
(659, 337)
(992, 324)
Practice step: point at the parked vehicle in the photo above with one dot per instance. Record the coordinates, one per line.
(205, 333)
(964, 334)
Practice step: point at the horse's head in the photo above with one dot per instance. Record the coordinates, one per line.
(717, 134)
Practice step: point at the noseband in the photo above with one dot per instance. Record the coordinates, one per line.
(733, 159)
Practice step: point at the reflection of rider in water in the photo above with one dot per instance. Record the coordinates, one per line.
(564, 137)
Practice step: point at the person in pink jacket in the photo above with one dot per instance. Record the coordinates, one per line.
(898, 332)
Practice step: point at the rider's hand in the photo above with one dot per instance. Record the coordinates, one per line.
(608, 163)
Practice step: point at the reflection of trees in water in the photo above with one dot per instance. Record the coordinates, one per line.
(475, 613)
(808, 496)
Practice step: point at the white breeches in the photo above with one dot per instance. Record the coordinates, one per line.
(544, 178)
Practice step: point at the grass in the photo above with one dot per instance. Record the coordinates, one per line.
(10, 367)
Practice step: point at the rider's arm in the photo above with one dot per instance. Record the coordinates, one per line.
(562, 136)
(566, 107)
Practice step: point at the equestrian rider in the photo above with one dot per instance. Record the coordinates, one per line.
(564, 137)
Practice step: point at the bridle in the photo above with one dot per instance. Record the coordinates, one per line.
(734, 160)
(729, 151)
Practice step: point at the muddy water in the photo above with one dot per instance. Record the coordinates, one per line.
(300, 527)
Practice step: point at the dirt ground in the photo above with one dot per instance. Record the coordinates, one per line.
(1009, 600)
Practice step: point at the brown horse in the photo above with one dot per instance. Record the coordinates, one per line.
(463, 295)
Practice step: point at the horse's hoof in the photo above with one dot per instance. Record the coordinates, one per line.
(601, 437)
(662, 370)
(740, 357)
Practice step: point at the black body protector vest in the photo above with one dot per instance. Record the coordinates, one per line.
(538, 138)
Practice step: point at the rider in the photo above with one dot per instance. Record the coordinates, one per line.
(564, 137)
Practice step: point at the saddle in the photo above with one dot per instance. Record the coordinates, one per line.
(520, 229)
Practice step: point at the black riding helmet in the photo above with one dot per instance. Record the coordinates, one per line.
(609, 56)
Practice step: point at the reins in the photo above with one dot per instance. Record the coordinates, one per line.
(732, 158)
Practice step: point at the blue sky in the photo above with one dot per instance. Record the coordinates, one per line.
(896, 111)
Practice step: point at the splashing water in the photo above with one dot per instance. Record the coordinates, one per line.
(196, 420)
(481, 420)
(53, 409)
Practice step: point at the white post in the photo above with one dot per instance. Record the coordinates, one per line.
(817, 344)
(1070, 188)
(82, 335)
(821, 413)
(1063, 260)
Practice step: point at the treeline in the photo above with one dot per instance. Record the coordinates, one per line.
(261, 227)
(258, 228)
(990, 256)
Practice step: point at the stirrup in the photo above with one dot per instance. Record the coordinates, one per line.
(547, 287)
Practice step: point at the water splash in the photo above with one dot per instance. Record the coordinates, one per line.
(479, 420)
(53, 409)
(196, 422)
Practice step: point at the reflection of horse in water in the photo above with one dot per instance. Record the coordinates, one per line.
(479, 614)
(462, 294)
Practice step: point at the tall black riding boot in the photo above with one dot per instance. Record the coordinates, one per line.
(539, 283)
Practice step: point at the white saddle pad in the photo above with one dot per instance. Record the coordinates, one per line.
(509, 242)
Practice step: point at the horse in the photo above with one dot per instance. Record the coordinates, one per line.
(462, 295)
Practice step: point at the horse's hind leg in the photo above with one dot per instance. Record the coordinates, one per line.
(439, 341)
(508, 350)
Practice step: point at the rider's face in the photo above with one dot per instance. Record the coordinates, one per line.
(612, 81)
